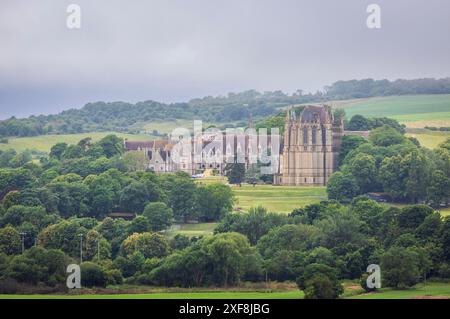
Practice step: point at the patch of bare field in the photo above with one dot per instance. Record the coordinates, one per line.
(429, 123)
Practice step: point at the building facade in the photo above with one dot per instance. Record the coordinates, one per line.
(311, 147)
(308, 152)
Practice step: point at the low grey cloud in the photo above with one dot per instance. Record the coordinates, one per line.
(174, 50)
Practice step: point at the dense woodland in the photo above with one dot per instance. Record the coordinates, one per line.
(235, 107)
(392, 163)
(70, 193)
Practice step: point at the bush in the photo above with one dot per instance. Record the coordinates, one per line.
(92, 275)
(321, 286)
(9, 286)
(400, 268)
(363, 283)
(114, 277)
(319, 281)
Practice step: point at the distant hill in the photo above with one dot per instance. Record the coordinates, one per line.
(127, 117)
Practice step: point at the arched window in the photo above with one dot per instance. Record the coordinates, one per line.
(305, 135)
(313, 136)
(324, 137)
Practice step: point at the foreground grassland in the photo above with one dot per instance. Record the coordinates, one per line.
(421, 291)
(194, 295)
(44, 143)
(352, 291)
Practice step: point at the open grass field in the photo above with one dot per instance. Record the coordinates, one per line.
(408, 107)
(172, 295)
(167, 126)
(191, 230)
(430, 139)
(430, 290)
(279, 199)
(445, 211)
(416, 111)
(44, 143)
(421, 291)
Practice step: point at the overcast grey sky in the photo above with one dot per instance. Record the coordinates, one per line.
(174, 50)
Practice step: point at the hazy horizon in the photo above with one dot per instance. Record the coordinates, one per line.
(173, 50)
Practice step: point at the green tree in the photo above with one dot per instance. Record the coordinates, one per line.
(254, 224)
(96, 248)
(158, 215)
(363, 168)
(182, 198)
(359, 123)
(252, 175)
(134, 197)
(92, 275)
(342, 187)
(10, 241)
(135, 161)
(235, 173)
(400, 268)
(214, 201)
(71, 198)
(58, 150)
(349, 143)
(439, 189)
(386, 136)
(111, 145)
(139, 224)
(319, 282)
(149, 244)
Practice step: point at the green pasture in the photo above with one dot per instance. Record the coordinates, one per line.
(429, 290)
(420, 291)
(191, 230)
(279, 199)
(44, 143)
(430, 139)
(171, 295)
(404, 108)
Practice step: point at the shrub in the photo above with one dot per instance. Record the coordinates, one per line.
(92, 275)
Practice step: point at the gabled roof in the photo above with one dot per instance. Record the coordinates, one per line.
(136, 145)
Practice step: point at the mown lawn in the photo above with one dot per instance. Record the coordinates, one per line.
(191, 230)
(44, 143)
(278, 199)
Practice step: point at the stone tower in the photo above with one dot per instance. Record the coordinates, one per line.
(312, 143)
